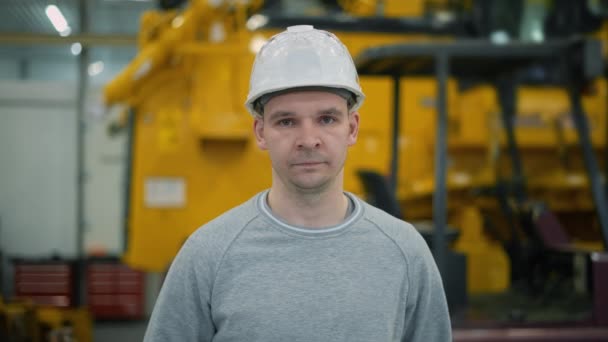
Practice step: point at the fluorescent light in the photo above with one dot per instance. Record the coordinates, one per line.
(76, 48)
(65, 32)
(256, 21)
(58, 20)
(95, 68)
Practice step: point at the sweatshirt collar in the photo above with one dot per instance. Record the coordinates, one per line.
(262, 203)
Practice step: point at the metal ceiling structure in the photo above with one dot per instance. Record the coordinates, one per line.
(104, 16)
(26, 31)
(29, 40)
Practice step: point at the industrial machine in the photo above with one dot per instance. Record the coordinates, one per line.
(23, 320)
(192, 154)
(191, 139)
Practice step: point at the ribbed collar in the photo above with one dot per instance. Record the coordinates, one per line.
(262, 203)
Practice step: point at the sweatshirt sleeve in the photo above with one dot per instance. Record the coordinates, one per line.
(426, 317)
(182, 310)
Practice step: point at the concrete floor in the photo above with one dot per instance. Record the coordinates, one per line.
(119, 331)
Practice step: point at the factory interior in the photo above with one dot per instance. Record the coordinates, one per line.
(123, 130)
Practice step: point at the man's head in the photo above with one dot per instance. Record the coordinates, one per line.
(304, 95)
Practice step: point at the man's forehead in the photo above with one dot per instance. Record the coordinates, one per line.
(311, 100)
(308, 95)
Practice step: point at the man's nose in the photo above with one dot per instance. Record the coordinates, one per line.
(308, 137)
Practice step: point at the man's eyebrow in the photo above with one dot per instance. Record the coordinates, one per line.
(280, 114)
(330, 111)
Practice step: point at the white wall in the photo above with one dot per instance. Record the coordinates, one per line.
(52, 69)
(9, 68)
(37, 168)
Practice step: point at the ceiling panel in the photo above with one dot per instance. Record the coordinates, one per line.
(119, 17)
(29, 15)
(105, 16)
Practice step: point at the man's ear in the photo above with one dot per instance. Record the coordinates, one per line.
(258, 131)
(353, 128)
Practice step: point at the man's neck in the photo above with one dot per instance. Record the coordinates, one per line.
(311, 210)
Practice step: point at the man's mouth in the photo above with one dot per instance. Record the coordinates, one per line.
(307, 163)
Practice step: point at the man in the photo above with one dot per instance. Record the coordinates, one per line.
(304, 260)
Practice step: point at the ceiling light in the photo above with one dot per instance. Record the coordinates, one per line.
(256, 21)
(58, 20)
(65, 32)
(76, 48)
(95, 68)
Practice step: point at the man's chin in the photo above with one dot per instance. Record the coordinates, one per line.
(311, 186)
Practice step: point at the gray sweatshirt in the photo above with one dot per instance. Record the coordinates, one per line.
(248, 276)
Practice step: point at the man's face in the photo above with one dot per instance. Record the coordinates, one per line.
(307, 134)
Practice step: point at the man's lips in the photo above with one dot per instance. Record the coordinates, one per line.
(307, 163)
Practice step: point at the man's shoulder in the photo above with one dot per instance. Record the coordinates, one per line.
(226, 227)
(403, 233)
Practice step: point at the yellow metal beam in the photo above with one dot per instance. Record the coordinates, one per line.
(19, 38)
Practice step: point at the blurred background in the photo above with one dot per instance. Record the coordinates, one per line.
(123, 130)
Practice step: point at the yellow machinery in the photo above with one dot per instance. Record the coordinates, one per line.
(476, 144)
(25, 321)
(193, 151)
(193, 154)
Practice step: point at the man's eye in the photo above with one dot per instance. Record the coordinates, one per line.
(285, 122)
(327, 120)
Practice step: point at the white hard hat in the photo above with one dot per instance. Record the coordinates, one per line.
(301, 57)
